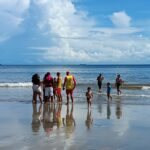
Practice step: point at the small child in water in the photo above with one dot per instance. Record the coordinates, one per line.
(109, 91)
(89, 96)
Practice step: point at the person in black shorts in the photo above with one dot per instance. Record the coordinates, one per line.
(100, 78)
(118, 84)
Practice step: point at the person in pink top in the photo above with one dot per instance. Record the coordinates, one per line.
(48, 87)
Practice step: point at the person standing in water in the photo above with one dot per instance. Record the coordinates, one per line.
(109, 91)
(118, 84)
(100, 78)
(59, 86)
(89, 96)
(70, 84)
(37, 90)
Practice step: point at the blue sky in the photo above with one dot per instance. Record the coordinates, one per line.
(74, 31)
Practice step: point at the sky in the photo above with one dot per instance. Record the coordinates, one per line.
(74, 32)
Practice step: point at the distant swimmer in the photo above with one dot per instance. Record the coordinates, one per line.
(37, 91)
(109, 91)
(118, 84)
(100, 78)
(69, 84)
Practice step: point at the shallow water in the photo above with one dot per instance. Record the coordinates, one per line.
(122, 124)
(106, 126)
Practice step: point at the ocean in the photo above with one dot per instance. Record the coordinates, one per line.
(15, 80)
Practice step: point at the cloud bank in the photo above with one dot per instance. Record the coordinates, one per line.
(75, 37)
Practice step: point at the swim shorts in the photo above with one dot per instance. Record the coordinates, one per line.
(36, 88)
(70, 91)
(58, 91)
(48, 91)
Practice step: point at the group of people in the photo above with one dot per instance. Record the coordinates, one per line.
(118, 83)
(51, 88)
(100, 78)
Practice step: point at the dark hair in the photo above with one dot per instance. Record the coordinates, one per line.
(89, 88)
(58, 73)
(48, 73)
(36, 79)
(108, 83)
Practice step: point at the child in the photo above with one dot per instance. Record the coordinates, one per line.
(37, 91)
(89, 96)
(108, 91)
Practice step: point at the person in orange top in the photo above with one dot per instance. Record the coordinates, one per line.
(70, 84)
(59, 87)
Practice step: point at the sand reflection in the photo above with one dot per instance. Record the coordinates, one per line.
(36, 117)
(69, 122)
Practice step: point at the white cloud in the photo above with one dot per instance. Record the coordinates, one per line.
(76, 38)
(120, 19)
(11, 14)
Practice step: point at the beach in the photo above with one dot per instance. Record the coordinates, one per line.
(106, 126)
(120, 124)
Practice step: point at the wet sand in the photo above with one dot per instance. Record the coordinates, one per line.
(106, 126)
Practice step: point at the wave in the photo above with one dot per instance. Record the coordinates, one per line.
(126, 95)
(17, 84)
(124, 86)
(146, 88)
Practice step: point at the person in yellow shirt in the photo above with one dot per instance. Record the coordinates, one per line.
(70, 84)
(59, 86)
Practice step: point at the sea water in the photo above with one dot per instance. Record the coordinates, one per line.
(15, 80)
(120, 124)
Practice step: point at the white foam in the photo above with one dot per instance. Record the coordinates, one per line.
(126, 95)
(19, 84)
(146, 88)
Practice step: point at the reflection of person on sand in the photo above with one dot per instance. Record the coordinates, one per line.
(48, 118)
(118, 84)
(89, 119)
(36, 117)
(69, 121)
(58, 115)
(100, 78)
(108, 110)
(118, 110)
